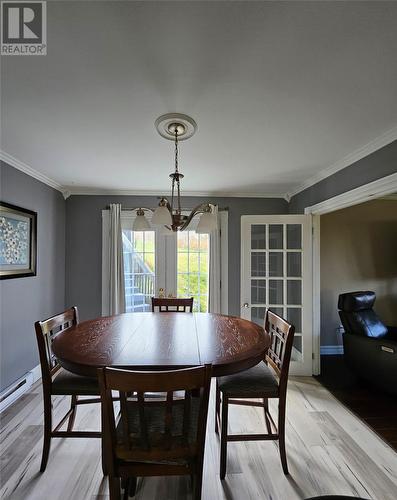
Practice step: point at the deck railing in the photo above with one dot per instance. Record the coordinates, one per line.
(139, 279)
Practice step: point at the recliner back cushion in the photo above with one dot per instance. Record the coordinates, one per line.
(365, 323)
(357, 315)
(356, 301)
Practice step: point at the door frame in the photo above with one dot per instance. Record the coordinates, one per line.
(373, 190)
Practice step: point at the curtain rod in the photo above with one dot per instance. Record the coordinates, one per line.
(129, 209)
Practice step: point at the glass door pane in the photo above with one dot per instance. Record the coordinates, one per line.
(258, 236)
(193, 268)
(276, 236)
(139, 254)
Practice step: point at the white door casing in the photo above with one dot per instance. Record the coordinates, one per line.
(276, 273)
(384, 186)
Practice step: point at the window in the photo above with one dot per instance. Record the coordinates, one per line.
(176, 262)
(139, 269)
(192, 268)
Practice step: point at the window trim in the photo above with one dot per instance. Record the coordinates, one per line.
(128, 216)
(161, 254)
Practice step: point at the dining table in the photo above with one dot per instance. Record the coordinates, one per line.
(161, 341)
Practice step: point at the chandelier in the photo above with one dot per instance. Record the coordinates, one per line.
(176, 127)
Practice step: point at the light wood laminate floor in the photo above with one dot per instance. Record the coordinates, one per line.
(329, 451)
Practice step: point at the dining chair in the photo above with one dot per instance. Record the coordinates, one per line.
(57, 381)
(172, 305)
(266, 380)
(154, 436)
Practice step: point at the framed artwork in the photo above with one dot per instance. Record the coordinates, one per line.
(18, 241)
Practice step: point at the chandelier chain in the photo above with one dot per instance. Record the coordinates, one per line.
(179, 211)
(176, 151)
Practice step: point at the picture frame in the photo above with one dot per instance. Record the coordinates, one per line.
(18, 241)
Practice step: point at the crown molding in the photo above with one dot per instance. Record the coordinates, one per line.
(87, 191)
(74, 190)
(373, 190)
(371, 147)
(358, 154)
(26, 169)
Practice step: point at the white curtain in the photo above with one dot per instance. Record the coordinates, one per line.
(116, 264)
(214, 302)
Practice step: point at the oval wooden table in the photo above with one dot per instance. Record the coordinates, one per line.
(161, 341)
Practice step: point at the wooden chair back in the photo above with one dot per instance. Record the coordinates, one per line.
(46, 331)
(172, 305)
(155, 425)
(278, 355)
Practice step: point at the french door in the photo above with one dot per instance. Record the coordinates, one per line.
(177, 263)
(276, 267)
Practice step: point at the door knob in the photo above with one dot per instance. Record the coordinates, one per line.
(246, 305)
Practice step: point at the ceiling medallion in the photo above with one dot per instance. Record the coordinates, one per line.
(176, 127)
(164, 126)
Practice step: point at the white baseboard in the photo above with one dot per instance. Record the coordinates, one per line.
(19, 387)
(36, 371)
(327, 350)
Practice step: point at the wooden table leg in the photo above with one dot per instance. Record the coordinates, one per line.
(103, 443)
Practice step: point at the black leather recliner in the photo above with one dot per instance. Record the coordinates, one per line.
(370, 347)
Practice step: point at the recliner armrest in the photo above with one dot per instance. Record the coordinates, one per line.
(387, 344)
(392, 332)
(372, 359)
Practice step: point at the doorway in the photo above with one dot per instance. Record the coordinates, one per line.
(385, 186)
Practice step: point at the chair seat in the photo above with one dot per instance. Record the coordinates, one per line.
(166, 449)
(66, 383)
(258, 381)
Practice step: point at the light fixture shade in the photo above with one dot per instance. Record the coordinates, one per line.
(141, 224)
(161, 217)
(207, 223)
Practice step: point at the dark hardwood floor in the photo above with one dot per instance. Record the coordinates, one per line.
(376, 409)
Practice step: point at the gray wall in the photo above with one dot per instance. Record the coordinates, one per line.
(25, 300)
(84, 252)
(374, 166)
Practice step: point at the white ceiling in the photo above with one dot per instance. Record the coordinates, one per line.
(280, 92)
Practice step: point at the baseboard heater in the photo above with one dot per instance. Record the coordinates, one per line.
(15, 391)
